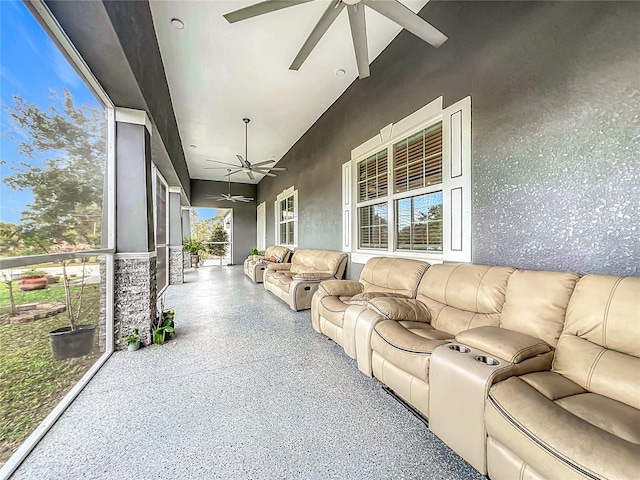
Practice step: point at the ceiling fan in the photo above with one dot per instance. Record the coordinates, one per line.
(228, 196)
(245, 166)
(392, 9)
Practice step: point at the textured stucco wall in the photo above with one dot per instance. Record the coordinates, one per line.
(555, 93)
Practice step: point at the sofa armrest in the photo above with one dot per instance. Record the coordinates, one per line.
(341, 288)
(509, 345)
(279, 266)
(313, 276)
(394, 308)
(364, 297)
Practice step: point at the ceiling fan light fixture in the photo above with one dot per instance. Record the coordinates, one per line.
(351, 2)
(340, 72)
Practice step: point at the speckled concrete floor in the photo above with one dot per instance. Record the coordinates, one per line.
(246, 390)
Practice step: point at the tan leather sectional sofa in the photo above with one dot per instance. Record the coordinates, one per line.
(526, 374)
(255, 265)
(296, 282)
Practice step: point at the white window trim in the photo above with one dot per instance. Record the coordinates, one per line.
(456, 183)
(291, 191)
(157, 176)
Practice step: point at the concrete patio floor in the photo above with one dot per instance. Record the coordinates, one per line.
(247, 389)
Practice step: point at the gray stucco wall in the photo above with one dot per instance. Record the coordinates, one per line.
(244, 214)
(555, 93)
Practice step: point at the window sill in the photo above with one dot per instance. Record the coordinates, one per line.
(364, 256)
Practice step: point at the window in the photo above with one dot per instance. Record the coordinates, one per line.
(286, 211)
(412, 188)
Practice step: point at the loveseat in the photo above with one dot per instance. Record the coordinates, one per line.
(380, 277)
(296, 282)
(581, 417)
(255, 265)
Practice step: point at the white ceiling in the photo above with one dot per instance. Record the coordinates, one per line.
(219, 73)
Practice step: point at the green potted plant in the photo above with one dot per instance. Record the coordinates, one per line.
(193, 246)
(133, 340)
(255, 251)
(33, 279)
(164, 326)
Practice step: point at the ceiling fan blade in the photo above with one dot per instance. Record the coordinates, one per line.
(234, 172)
(267, 174)
(260, 9)
(410, 21)
(245, 200)
(277, 169)
(217, 168)
(243, 162)
(223, 163)
(262, 163)
(329, 15)
(359, 35)
(250, 175)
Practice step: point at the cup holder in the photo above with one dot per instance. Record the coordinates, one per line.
(487, 360)
(460, 348)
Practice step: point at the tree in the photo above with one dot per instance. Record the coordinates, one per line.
(219, 234)
(69, 141)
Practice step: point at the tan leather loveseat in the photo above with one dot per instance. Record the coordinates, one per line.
(581, 418)
(255, 265)
(380, 277)
(296, 282)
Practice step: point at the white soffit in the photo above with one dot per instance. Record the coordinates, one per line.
(219, 73)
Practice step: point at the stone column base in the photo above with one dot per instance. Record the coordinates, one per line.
(176, 265)
(135, 295)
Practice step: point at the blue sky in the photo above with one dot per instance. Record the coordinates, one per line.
(30, 66)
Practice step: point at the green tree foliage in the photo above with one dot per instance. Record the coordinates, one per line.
(219, 234)
(70, 143)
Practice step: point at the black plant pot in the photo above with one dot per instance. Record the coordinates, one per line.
(67, 344)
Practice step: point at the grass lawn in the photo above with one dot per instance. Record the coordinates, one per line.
(31, 381)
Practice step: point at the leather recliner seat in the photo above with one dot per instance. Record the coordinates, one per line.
(255, 265)
(395, 337)
(381, 276)
(581, 418)
(296, 282)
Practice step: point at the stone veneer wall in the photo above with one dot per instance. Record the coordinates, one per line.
(135, 295)
(176, 265)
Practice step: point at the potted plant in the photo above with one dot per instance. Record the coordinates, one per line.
(133, 340)
(255, 251)
(164, 326)
(33, 279)
(193, 246)
(75, 340)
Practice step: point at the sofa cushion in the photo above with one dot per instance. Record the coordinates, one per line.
(279, 266)
(313, 276)
(463, 296)
(570, 428)
(425, 330)
(502, 343)
(317, 261)
(552, 385)
(599, 348)
(536, 303)
(396, 308)
(395, 275)
(403, 348)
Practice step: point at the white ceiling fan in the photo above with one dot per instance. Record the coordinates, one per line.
(245, 165)
(228, 196)
(392, 9)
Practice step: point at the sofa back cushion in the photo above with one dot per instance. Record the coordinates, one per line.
(268, 252)
(536, 303)
(599, 348)
(280, 253)
(319, 261)
(463, 296)
(392, 275)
